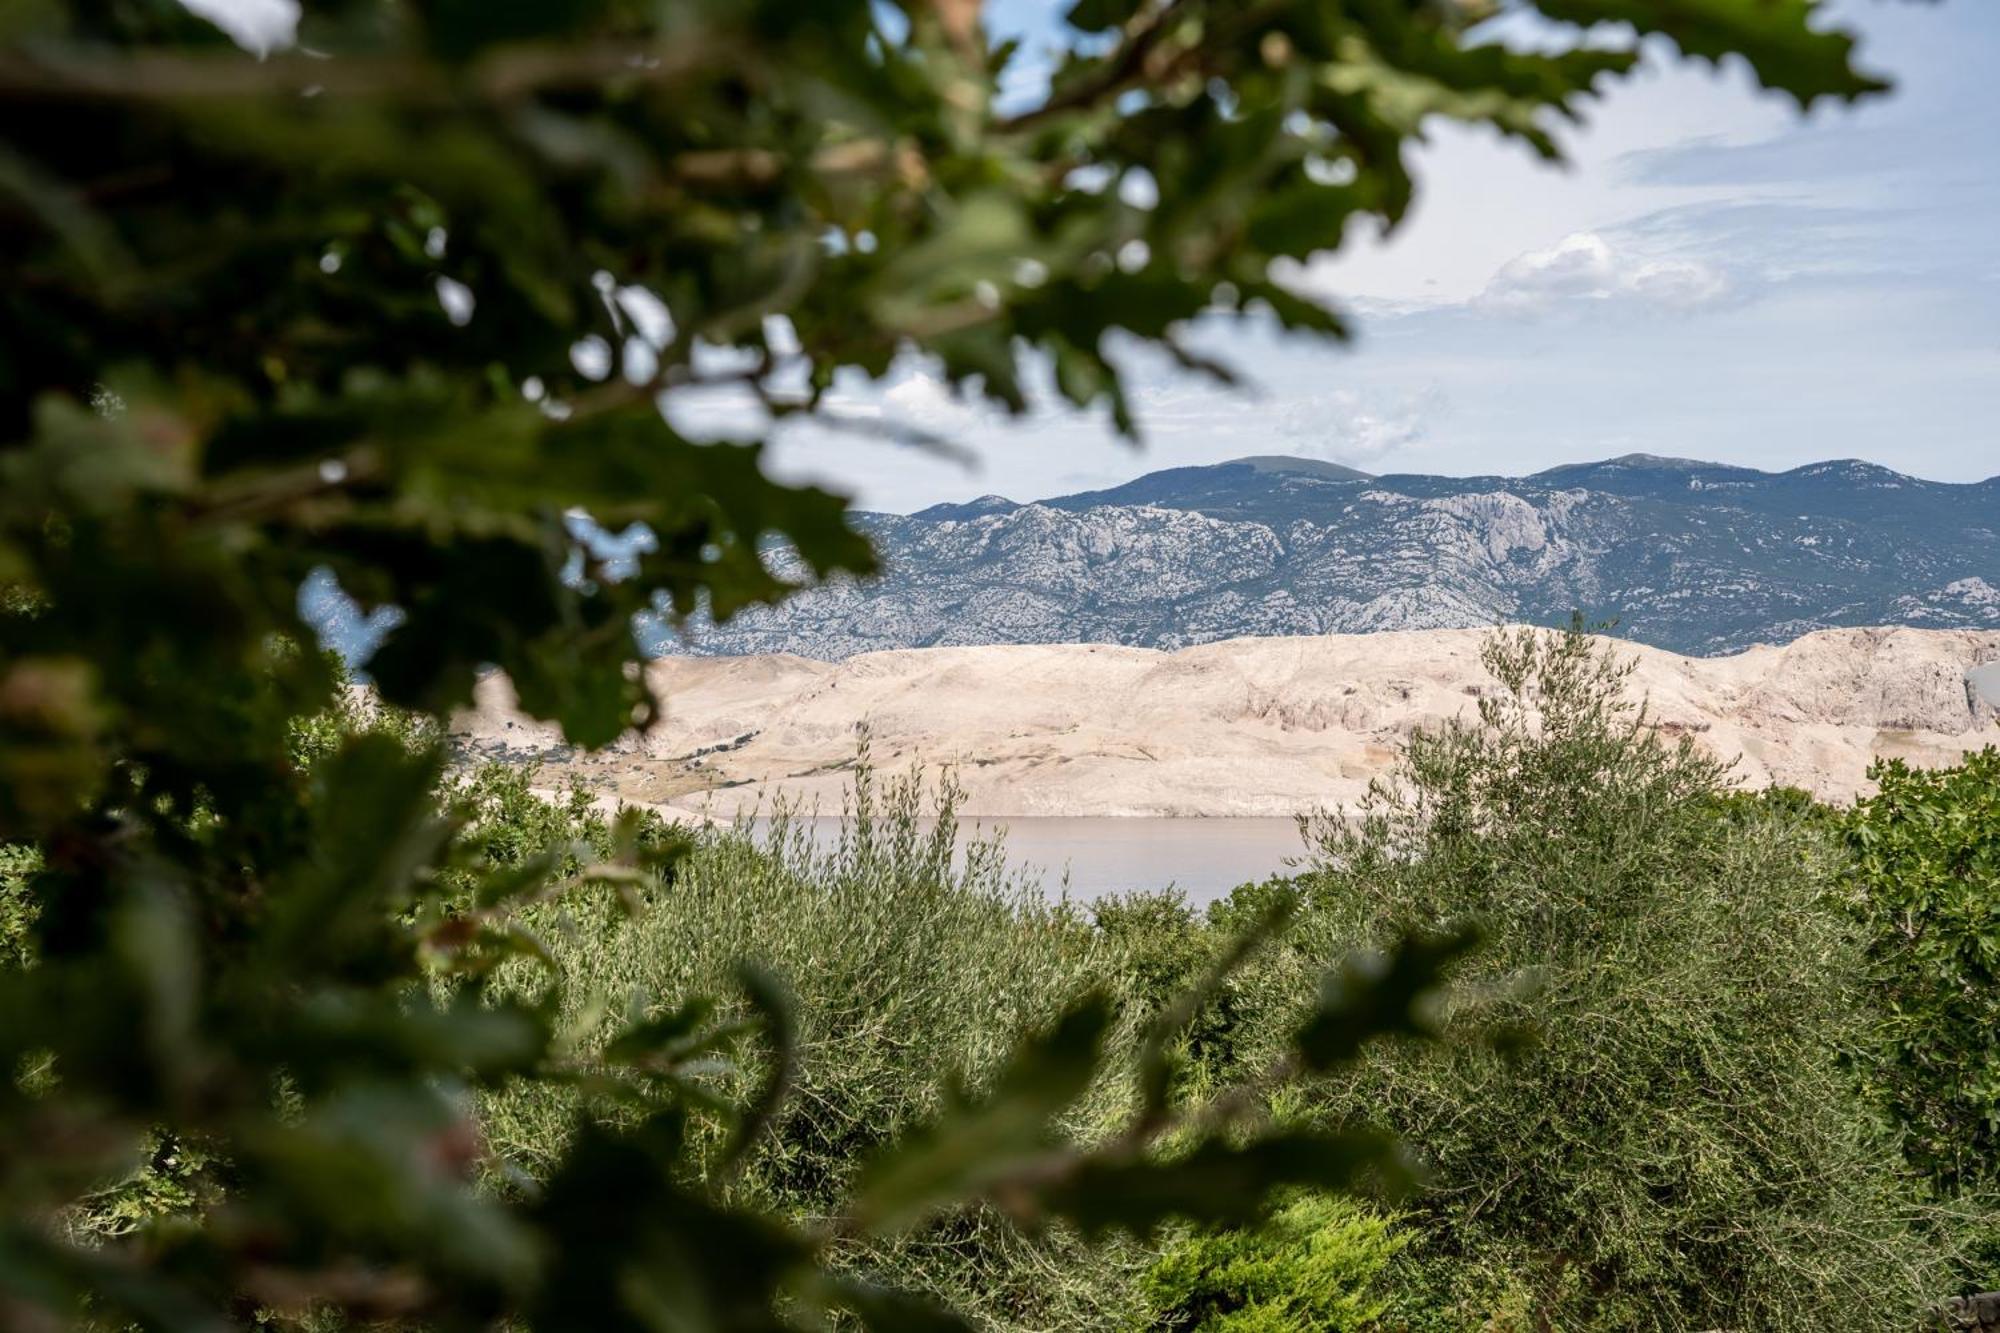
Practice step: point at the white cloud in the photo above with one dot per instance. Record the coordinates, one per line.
(1359, 429)
(1584, 268)
(923, 402)
(1677, 284)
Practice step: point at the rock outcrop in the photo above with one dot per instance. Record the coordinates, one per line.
(1263, 726)
(1693, 557)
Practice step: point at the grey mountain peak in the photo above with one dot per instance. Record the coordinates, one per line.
(1694, 556)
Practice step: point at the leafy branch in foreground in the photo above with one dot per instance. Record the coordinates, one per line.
(662, 1246)
(392, 301)
(394, 304)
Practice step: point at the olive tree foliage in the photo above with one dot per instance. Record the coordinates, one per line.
(1927, 886)
(391, 302)
(1680, 1143)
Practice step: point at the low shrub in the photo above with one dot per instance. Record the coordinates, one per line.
(1926, 888)
(1683, 1144)
(910, 965)
(1317, 1265)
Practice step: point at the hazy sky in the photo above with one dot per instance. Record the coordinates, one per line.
(1714, 276)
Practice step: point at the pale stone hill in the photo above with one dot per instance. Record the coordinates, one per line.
(1261, 726)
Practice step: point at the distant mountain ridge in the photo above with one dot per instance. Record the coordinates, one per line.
(1690, 556)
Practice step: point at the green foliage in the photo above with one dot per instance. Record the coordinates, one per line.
(173, 1180)
(18, 864)
(1316, 1265)
(659, 1100)
(1679, 1143)
(314, 311)
(350, 711)
(909, 970)
(243, 272)
(1749, 805)
(1927, 879)
(1164, 950)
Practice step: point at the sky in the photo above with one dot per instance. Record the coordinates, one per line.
(1713, 276)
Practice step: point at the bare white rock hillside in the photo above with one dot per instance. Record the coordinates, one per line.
(1262, 726)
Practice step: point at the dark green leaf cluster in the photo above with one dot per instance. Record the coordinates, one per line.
(398, 301)
(393, 300)
(1678, 1141)
(1314, 1266)
(1926, 852)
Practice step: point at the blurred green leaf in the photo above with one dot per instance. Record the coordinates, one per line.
(1781, 39)
(1217, 1181)
(979, 1143)
(401, 303)
(1376, 995)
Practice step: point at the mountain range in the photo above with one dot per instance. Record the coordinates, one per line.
(1694, 557)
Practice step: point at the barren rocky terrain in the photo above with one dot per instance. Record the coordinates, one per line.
(1261, 726)
(1688, 556)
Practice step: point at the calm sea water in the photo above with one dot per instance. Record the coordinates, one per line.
(1203, 858)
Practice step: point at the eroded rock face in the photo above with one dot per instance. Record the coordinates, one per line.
(1262, 726)
(1691, 557)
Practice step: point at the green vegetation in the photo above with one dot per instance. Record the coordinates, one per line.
(1678, 1129)
(18, 863)
(1314, 1266)
(1727, 1033)
(300, 1027)
(1679, 1142)
(1926, 887)
(1682, 1126)
(906, 971)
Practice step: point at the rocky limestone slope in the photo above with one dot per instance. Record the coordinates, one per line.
(1693, 557)
(1260, 726)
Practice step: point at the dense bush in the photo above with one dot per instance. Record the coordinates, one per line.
(1315, 1265)
(1926, 885)
(1164, 947)
(1927, 867)
(1681, 1145)
(910, 967)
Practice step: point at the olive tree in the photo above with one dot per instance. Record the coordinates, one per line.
(393, 301)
